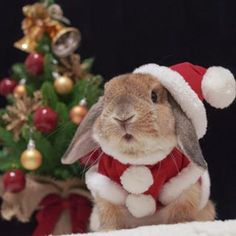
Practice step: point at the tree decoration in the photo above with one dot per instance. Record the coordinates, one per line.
(7, 86)
(77, 113)
(73, 67)
(20, 91)
(41, 19)
(63, 84)
(66, 41)
(34, 64)
(17, 114)
(53, 200)
(45, 119)
(56, 13)
(14, 181)
(44, 23)
(31, 158)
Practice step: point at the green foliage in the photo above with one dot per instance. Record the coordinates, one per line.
(88, 88)
(10, 154)
(52, 146)
(6, 137)
(2, 112)
(48, 67)
(63, 111)
(49, 2)
(10, 99)
(88, 63)
(19, 72)
(47, 151)
(44, 45)
(62, 138)
(49, 95)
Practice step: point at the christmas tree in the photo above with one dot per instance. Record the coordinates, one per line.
(48, 95)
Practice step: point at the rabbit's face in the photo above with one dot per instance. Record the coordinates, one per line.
(136, 120)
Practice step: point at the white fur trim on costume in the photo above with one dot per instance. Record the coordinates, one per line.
(165, 146)
(136, 179)
(205, 189)
(141, 205)
(218, 87)
(94, 223)
(176, 185)
(100, 185)
(182, 92)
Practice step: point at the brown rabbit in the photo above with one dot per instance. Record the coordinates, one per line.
(138, 122)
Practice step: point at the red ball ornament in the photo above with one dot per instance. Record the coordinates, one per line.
(7, 86)
(34, 64)
(45, 119)
(14, 181)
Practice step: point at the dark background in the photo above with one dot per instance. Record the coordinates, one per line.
(123, 34)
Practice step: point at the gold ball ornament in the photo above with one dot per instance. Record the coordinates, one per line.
(77, 113)
(63, 85)
(20, 91)
(31, 159)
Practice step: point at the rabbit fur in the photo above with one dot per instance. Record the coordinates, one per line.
(138, 122)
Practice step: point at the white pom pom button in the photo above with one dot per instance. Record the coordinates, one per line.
(137, 179)
(140, 205)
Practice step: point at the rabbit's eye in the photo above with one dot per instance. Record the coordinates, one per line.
(154, 97)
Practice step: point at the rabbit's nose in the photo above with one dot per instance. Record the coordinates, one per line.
(123, 120)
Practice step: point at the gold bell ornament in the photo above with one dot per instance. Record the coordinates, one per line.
(66, 41)
(77, 113)
(33, 26)
(31, 158)
(25, 44)
(41, 19)
(62, 84)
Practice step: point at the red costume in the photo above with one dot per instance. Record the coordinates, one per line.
(162, 172)
(142, 188)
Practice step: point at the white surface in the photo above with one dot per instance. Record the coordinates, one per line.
(216, 228)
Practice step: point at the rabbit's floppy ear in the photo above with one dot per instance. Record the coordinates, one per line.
(83, 142)
(186, 135)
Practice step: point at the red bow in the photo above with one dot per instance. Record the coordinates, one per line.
(52, 207)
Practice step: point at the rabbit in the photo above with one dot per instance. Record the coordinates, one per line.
(138, 123)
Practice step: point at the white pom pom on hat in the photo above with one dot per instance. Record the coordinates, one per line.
(191, 84)
(218, 87)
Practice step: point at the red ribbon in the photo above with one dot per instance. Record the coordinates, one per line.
(52, 207)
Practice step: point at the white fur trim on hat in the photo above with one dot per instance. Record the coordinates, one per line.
(100, 185)
(182, 92)
(218, 87)
(136, 179)
(176, 185)
(141, 205)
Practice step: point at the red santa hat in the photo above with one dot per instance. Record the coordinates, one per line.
(191, 84)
